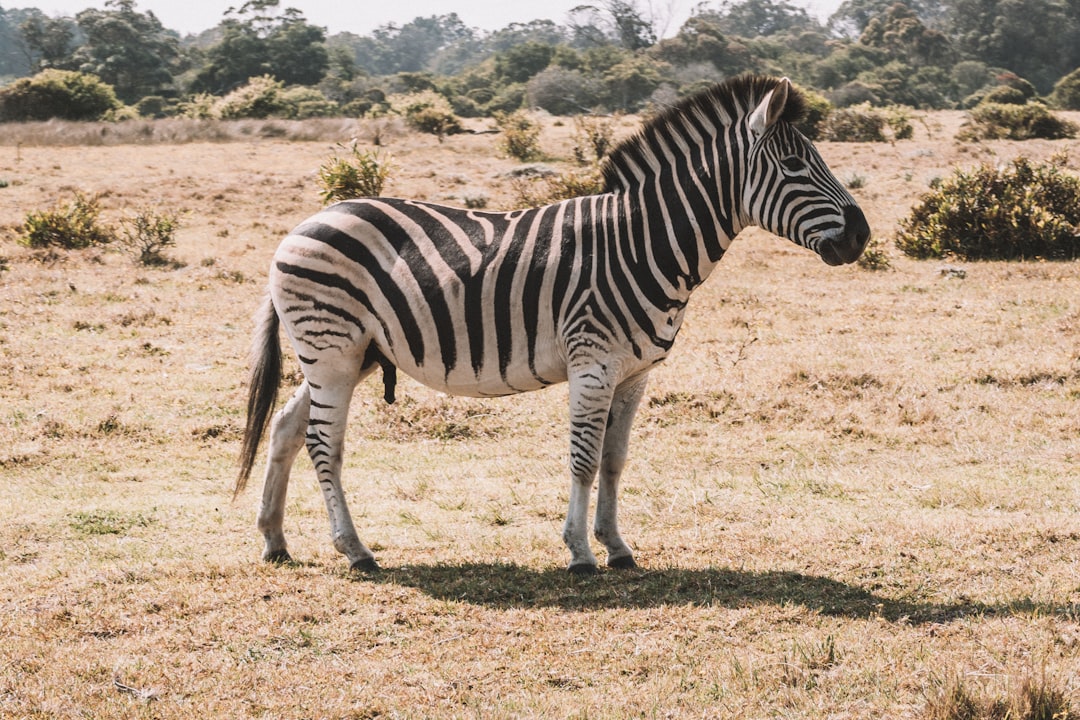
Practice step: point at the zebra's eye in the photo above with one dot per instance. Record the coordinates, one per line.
(793, 163)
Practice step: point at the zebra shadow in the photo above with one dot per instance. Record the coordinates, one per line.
(507, 586)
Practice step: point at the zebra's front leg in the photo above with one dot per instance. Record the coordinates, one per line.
(286, 439)
(590, 401)
(330, 399)
(624, 407)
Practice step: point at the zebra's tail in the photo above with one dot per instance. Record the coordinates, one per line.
(262, 387)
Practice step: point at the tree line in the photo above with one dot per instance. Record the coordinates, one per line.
(608, 56)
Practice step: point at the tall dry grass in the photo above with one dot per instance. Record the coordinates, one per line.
(173, 131)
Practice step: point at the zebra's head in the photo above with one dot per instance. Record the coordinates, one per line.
(789, 189)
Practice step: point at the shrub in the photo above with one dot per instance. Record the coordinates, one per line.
(1005, 95)
(536, 191)
(874, 257)
(435, 122)
(1010, 79)
(899, 122)
(855, 124)
(817, 112)
(198, 107)
(1022, 211)
(153, 106)
(360, 174)
(520, 135)
(147, 234)
(73, 226)
(564, 92)
(307, 102)
(57, 94)
(1066, 93)
(594, 136)
(428, 112)
(261, 97)
(994, 121)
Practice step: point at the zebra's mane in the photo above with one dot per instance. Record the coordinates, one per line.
(719, 105)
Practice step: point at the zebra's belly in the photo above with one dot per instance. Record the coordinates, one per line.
(490, 381)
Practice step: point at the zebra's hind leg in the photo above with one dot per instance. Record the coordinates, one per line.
(624, 406)
(331, 393)
(286, 439)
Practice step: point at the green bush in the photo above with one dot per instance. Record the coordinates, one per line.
(261, 97)
(874, 257)
(1066, 93)
(818, 110)
(362, 173)
(426, 111)
(994, 121)
(594, 137)
(545, 190)
(73, 226)
(57, 94)
(858, 123)
(1023, 211)
(520, 135)
(202, 106)
(153, 106)
(435, 122)
(1005, 95)
(147, 234)
(307, 102)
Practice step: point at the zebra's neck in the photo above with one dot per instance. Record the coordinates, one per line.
(677, 223)
(683, 196)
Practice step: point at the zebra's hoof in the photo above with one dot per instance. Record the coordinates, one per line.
(626, 562)
(278, 557)
(366, 566)
(582, 569)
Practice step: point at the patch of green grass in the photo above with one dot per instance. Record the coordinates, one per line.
(107, 522)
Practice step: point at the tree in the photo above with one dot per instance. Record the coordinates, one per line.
(1037, 39)
(411, 47)
(259, 40)
(631, 82)
(545, 32)
(900, 33)
(12, 61)
(617, 22)
(130, 50)
(761, 18)
(852, 17)
(521, 62)
(701, 40)
(48, 42)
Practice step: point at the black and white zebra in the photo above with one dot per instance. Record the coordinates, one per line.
(589, 291)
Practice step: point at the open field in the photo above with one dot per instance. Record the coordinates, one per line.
(848, 490)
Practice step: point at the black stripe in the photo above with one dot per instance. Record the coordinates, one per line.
(504, 329)
(534, 281)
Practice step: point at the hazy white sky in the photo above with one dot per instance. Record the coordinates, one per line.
(363, 16)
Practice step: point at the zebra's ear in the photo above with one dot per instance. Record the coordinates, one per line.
(771, 108)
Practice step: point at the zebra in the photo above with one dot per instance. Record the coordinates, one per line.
(591, 291)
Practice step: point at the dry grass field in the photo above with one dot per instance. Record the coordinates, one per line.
(852, 494)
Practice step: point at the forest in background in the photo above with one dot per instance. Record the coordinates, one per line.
(926, 54)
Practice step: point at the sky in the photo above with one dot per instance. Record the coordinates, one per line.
(194, 16)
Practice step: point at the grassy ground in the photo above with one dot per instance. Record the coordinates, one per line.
(851, 492)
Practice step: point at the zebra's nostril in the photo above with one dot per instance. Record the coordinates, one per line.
(855, 226)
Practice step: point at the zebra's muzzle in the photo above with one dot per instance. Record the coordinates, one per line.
(847, 246)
